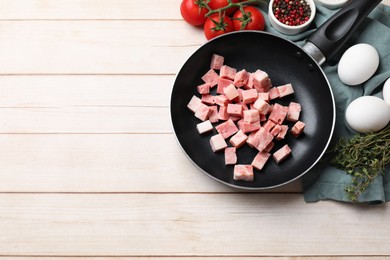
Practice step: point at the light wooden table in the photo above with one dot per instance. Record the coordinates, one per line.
(90, 166)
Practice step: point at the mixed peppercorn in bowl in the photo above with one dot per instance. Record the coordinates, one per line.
(291, 16)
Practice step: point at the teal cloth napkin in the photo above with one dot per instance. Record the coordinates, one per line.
(324, 182)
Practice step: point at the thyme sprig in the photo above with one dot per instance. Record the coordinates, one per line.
(364, 156)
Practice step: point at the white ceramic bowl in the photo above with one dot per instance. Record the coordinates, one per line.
(291, 29)
(332, 4)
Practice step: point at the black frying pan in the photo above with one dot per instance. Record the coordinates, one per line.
(284, 62)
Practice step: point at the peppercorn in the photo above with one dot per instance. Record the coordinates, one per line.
(291, 12)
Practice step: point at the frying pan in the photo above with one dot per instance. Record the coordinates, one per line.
(284, 62)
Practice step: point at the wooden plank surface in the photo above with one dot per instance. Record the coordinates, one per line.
(85, 120)
(95, 47)
(90, 10)
(85, 104)
(102, 163)
(90, 168)
(85, 91)
(205, 225)
(210, 257)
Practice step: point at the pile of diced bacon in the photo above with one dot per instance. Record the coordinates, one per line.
(241, 112)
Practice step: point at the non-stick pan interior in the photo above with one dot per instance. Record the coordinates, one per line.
(285, 63)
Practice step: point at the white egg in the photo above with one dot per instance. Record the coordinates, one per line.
(367, 113)
(358, 64)
(386, 91)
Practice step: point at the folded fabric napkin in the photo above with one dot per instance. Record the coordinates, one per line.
(324, 181)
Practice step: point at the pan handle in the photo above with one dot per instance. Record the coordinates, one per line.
(332, 35)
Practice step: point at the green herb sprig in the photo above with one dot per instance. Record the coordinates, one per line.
(364, 156)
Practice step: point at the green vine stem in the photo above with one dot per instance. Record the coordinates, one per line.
(230, 5)
(205, 4)
(221, 11)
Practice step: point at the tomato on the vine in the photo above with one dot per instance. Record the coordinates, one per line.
(251, 19)
(192, 13)
(216, 4)
(216, 25)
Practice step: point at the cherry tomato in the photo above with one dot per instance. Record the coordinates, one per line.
(191, 12)
(215, 26)
(252, 19)
(216, 4)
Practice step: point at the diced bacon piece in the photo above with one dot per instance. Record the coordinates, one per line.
(249, 83)
(194, 103)
(297, 128)
(221, 100)
(204, 127)
(243, 172)
(241, 78)
(231, 92)
(244, 106)
(249, 96)
(261, 81)
(262, 106)
(260, 159)
(282, 133)
(294, 110)
(208, 99)
(234, 109)
(204, 88)
(270, 109)
(239, 99)
(269, 147)
(217, 143)
(282, 154)
(273, 93)
(253, 139)
(230, 156)
(213, 115)
(227, 72)
(238, 139)
(222, 113)
(265, 139)
(276, 130)
(211, 77)
(216, 61)
(285, 90)
(234, 118)
(222, 84)
(263, 118)
(251, 115)
(248, 127)
(227, 128)
(278, 113)
(203, 112)
(264, 96)
(269, 125)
